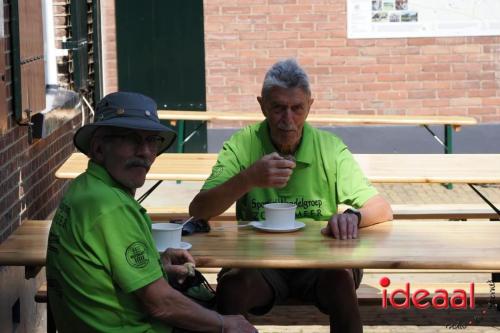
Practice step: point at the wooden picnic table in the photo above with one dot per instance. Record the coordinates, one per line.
(392, 245)
(379, 168)
(450, 123)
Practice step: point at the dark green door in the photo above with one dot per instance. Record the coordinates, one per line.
(160, 49)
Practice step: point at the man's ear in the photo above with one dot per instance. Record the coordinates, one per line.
(261, 103)
(96, 149)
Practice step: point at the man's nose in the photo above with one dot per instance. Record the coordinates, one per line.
(287, 115)
(145, 149)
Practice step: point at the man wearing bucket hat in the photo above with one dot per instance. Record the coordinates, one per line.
(104, 273)
(285, 160)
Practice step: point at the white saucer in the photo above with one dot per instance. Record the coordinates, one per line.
(182, 246)
(260, 226)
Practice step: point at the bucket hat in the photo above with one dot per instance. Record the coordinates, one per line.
(125, 110)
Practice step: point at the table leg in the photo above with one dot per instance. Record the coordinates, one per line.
(180, 137)
(448, 145)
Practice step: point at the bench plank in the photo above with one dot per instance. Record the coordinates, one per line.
(322, 118)
(378, 168)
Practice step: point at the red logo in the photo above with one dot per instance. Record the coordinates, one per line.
(440, 300)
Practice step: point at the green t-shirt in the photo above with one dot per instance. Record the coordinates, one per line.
(325, 175)
(100, 250)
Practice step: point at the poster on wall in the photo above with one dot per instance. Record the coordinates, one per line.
(422, 18)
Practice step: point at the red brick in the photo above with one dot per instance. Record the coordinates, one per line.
(360, 61)
(465, 85)
(451, 76)
(450, 58)
(331, 42)
(374, 51)
(435, 49)
(421, 41)
(299, 9)
(282, 2)
(266, 10)
(236, 10)
(466, 101)
(435, 102)
(466, 67)
(454, 93)
(491, 101)
(468, 48)
(436, 85)
(376, 86)
(421, 77)
(392, 95)
(421, 94)
(376, 69)
(391, 60)
(481, 76)
(434, 68)
(301, 26)
(390, 77)
(345, 51)
(451, 40)
(269, 27)
(482, 93)
(411, 68)
(362, 78)
(360, 96)
(420, 59)
(482, 111)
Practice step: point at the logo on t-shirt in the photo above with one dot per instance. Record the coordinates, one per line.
(137, 255)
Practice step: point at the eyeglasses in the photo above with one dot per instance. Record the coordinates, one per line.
(136, 140)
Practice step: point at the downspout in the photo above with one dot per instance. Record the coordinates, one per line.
(49, 44)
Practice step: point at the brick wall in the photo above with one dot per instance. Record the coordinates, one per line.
(424, 76)
(29, 190)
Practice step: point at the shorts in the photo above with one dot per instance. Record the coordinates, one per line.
(294, 283)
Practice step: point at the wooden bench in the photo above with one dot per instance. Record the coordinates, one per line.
(450, 123)
(369, 296)
(378, 168)
(401, 212)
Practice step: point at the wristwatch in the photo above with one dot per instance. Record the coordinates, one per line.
(355, 212)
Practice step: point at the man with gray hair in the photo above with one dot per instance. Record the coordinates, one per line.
(104, 273)
(284, 159)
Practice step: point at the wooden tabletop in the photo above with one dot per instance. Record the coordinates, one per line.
(392, 245)
(379, 168)
(322, 118)
(397, 245)
(27, 246)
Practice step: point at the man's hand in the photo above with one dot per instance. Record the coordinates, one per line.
(174, 261)
(342, 226)
(270, 171)
(237, 324)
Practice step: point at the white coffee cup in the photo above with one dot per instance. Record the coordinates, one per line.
(279, 215)
(167, 235)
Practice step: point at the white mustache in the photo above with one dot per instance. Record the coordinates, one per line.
(286, 127)
(137, 163)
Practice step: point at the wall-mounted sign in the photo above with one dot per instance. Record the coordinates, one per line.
(422, 18)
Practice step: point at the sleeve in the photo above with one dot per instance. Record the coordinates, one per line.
(227, 166)
(122, 244)
(353, 188)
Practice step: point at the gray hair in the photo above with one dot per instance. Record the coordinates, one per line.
(286, 74)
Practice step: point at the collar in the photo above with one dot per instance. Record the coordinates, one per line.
(103, 175)
(304, 153)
